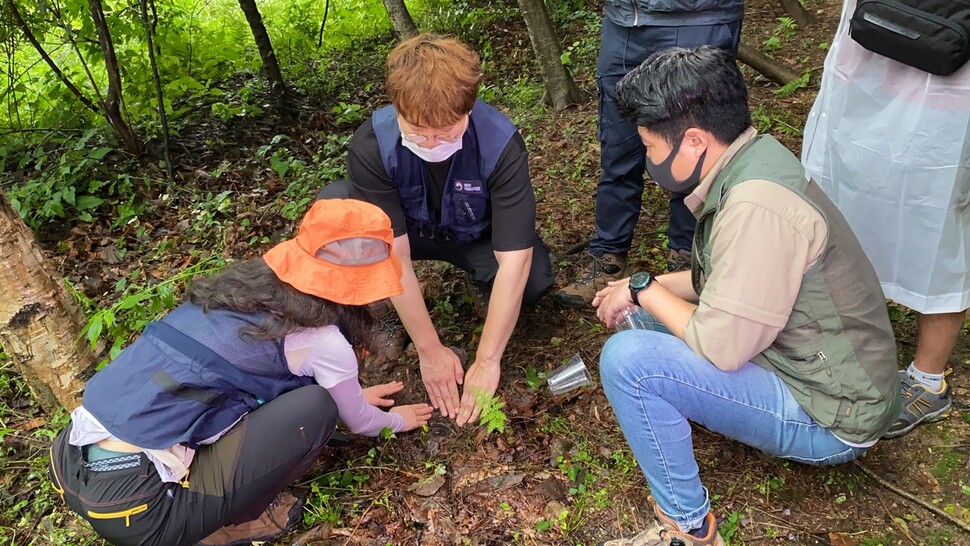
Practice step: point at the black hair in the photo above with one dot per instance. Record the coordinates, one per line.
(252, 287)
(676, 89)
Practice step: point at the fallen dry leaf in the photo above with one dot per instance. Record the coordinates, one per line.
(429, 486)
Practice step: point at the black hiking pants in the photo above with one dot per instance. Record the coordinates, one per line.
(230, 481)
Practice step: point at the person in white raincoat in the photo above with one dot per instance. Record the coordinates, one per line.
(890, 145)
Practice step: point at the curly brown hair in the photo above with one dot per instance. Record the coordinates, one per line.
(252, 287)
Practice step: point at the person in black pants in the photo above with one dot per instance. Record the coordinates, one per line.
(632, 31)
(195, 430)
(452, 173)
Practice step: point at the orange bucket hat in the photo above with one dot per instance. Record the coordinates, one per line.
(343, 253)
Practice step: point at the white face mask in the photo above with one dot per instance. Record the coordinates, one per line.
(437, 154)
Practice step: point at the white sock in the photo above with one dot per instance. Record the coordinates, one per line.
(934, 381)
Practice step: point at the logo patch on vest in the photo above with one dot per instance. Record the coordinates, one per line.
(470, 186)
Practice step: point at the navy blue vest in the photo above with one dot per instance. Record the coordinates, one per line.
(187, 378)
(464, 205)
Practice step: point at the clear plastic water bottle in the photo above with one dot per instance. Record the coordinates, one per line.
(634, 318)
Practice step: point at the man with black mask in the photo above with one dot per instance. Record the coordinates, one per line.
(779, 335)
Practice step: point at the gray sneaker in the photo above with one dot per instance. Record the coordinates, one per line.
(920, 405)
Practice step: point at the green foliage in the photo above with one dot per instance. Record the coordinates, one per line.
(523, 94)
(491, 417)
(769, 485)
(791, 87)
(348, 114)
(201, 47)
(948, 466)
(328, 165)
(326, 503)
(567, 55)
(30, 508)
(785, 30)
(534, 378)
(885, 540)
(65, 180)
(767, 119)
(137, 305)
(773, 43)
(786, 27)
(729, 527)
(468, 17)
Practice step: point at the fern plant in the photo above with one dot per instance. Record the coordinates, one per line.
(491, 417)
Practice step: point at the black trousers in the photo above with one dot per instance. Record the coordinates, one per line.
(230, 481)
(476, 258)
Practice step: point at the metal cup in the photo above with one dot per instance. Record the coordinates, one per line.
(571, 375)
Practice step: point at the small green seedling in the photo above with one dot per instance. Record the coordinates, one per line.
(492, 417)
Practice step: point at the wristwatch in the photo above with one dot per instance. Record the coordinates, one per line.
(639, 281)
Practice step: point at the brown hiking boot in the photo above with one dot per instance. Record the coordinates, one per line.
(609, 267)
(479, 292)
(388, 337)
(678, 260)
(282, 514)
(664, 532)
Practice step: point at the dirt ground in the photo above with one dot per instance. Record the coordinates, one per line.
(561, 472)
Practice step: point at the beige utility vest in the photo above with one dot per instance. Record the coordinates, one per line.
(837, 353)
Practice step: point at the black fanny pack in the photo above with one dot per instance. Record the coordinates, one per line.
(931, 35)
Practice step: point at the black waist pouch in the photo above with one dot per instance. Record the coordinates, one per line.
(931, 35)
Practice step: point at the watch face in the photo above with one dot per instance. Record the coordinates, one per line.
(640, 280)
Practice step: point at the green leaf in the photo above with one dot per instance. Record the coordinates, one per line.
(279, 165)
(93, 331)
(98, 153)
(88, 202)
(791, 87)
(133, 300)
(67, 194)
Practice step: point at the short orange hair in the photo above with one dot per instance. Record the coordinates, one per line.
(432, 80)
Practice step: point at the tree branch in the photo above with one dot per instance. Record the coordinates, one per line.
(912, 498)
(12, 8)
(770, 68)
(159, 93)
(797, 12)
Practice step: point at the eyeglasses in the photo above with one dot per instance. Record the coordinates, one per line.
(421, 139)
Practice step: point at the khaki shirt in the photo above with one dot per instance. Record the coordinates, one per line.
(764, 238)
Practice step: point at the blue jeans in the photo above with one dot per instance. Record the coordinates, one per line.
(656, 383)
(619, 193)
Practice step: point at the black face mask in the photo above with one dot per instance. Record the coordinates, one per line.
(663, 176)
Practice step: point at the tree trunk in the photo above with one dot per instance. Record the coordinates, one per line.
(797, 12)
(401, 19)
(12, 9)
(277, 88)
(159, 92)
(114, 98)
(40, 324)
(770, 68)
(561, 90)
